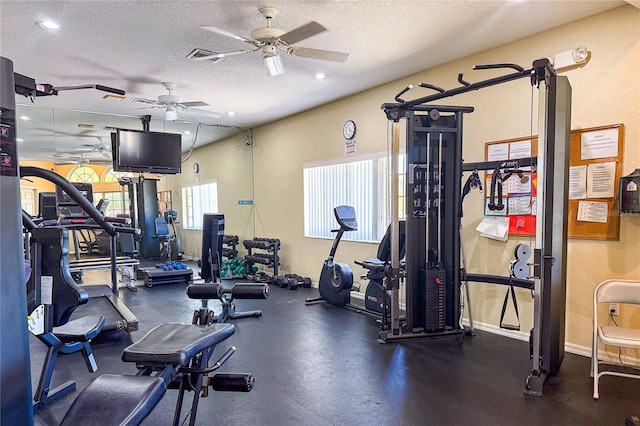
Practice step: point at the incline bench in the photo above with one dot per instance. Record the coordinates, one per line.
(172, 355)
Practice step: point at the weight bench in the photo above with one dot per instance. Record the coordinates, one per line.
(226, 296)
(52, 296)
(170, 356)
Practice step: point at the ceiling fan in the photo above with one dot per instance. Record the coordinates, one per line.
(172, 103)
(103, 147)
(269, 40)
(80, 159)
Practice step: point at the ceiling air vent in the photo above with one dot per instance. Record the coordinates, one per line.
(199, 53)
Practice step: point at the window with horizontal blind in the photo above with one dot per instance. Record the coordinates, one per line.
(196, 201)
(361, 183)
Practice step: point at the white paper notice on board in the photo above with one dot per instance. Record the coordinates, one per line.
(515, 185)
(496, 228)
(519, 150)
(577, 182)
(593, 211)
(498, 152)
(599, 144)
(601, 180)
(46, 290)
(350, 147)
(519, 206)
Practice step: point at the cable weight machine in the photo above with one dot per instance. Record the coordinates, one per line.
(434, 172)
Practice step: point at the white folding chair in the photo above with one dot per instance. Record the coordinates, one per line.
(622, 292)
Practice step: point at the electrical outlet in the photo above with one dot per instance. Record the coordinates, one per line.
(613, 309)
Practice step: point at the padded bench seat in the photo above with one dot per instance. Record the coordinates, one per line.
(80, 330)
(175, 343)
(115, 400)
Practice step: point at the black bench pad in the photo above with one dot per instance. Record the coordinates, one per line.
(175, 343)
(80, 330)
(115, 400)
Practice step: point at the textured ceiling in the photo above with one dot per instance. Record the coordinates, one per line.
(136, 45)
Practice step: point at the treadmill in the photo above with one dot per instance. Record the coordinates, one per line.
(104, 298)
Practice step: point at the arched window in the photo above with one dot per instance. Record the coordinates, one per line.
(83, 174)
(110, 175)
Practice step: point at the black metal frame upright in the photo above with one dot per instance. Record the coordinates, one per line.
(434, 159)
(552, 166)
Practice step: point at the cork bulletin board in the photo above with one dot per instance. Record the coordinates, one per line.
(595, 168)
(594, 177)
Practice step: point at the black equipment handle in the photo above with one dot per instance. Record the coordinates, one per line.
(226, 382)
(73, 192)
(214, 367)
(502, 65)
(91, 86)
(27, 221)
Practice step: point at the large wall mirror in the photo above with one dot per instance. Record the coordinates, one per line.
(78, 144)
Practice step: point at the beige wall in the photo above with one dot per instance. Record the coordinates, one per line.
(229, 163)
(606, 91)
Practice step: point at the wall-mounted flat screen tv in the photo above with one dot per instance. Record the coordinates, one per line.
(146, 152)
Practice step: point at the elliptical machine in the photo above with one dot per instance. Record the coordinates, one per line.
(170, 216)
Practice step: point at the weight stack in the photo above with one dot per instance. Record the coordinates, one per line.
(435, 315)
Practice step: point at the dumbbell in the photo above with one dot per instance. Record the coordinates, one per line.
(281, 281)
(300, 281)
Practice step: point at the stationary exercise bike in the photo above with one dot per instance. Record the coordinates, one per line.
(336, 279)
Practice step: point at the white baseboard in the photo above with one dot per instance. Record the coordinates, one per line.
(572, 348)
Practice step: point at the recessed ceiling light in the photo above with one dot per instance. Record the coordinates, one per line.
(20, 140)
(231, 113)
(186, 132)
(25, 118)
(49, 25)
(320, 76)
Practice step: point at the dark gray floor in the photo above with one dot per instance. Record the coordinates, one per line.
(321, 365)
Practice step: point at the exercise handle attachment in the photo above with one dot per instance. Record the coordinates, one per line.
(205, 291)
(214, 367)
(227, 382)
(249, 291)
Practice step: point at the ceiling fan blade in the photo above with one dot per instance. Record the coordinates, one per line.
(196, 55)
(145, 101)
(325, 55)
(231, 35)
(194, 104)
(205, 112)
(301, 33)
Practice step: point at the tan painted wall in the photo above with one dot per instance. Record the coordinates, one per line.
(606, 91)
(229, 163)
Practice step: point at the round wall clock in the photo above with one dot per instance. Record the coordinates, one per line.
(349, 129)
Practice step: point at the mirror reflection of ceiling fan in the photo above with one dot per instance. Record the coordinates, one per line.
(269, 40)
(62, 158)
(103, 147)
(172, 103)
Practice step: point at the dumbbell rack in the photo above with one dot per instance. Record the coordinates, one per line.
(229, 243)
(268, 256)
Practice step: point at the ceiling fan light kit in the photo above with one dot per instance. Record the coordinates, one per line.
(270, 40)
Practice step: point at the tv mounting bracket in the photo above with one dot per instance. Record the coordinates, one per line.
(28, 88)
